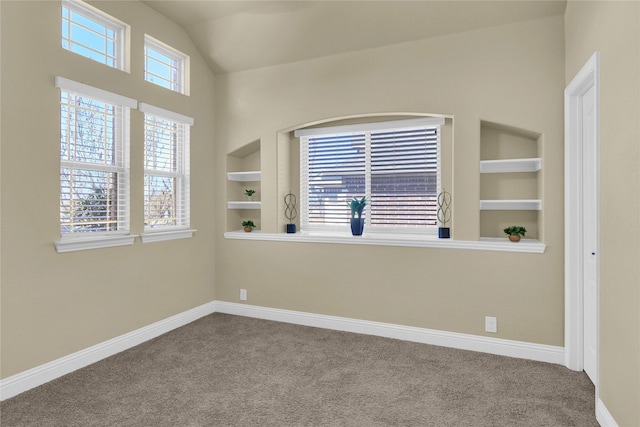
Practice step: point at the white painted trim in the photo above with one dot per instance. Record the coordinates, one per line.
(603, 416)
(366, 127)
(42, 374)
(167, 114)
(77, 87)
(382, 239)
(16, 384)
(524, 350)
(161, 236)
(573, 326)
(73, 243)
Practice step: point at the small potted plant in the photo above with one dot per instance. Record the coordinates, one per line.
(357, 206)
(515, 232)
(249, 192)
(248, 225)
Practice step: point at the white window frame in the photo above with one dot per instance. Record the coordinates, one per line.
(121, 30)
(181, 174)
(73, 241)
(181, 82)
(367, 129)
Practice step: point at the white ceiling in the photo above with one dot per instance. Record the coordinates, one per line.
(236, 35)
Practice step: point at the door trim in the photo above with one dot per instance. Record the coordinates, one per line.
(587, 78)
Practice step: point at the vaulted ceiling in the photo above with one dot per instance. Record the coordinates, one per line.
(240, 35)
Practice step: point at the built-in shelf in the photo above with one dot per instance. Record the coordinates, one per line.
(241, 233)
(244, 205)
(511, 205)
(252, 176)
(511, 180)
(510, 165)
(244, 173)
(384, 239)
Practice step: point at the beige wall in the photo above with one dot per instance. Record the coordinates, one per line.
(55, 304)
(513, 75)
(614, 31)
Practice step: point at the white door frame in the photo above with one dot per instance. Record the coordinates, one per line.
(587, 78)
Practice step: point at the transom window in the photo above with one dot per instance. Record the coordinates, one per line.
(89, 32)
(166, 169)
(164, 66)
(94, 160)
(394, 164)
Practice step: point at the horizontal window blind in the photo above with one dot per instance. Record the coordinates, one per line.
(166, 178)
(395, 165)
(335, 173)
(404, 177)
(94, 165)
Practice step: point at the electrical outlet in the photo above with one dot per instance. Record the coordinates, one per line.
(243, 294)
(490, 324)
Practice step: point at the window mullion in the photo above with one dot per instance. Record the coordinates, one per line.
(304, 182)
(367, 178)
(438, 163)
(66, 164)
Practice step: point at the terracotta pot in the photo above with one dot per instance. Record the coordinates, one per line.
(248, 229)
(514, 237)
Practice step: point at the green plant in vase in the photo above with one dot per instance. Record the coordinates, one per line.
(515, 232)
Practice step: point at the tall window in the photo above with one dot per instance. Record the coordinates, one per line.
(91, 33)
(394, 164)
(94, 160)
(164, 65)
(166, 169)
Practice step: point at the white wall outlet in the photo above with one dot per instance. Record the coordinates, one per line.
(490, 324)
(243, 294)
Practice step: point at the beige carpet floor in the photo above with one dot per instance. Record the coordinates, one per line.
(225, 370)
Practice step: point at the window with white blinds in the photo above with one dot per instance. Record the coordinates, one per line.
(394, 164)
(94, 160)
(166, 169)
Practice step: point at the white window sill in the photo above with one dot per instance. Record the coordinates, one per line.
(72, 244)
(161, 236)
(418, 241)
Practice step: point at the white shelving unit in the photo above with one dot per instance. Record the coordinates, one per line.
(510, 180)
(251, 176)
(511, 165)
(511, 205)
(244, 172)
(244, 205)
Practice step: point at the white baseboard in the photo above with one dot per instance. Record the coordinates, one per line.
(42, 374)
(603, 416)
(16, 384)
(523, 350)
